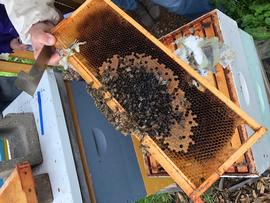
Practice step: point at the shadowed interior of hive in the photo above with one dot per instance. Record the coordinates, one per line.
(108, 34)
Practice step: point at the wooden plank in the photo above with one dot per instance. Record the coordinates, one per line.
(248, 155)
(178, 34)
(153, 167)
(234, 97)
(198, 30)
(23, 54)
(208, 31)
(203, 188)
(27, 182)
(242, 168)
(169, 42)
(168, 165)
(208, 27)
(11, 67)
(20, 186)
(86, 169)
(152, 185)
(223, 87)
(221, 81)
(210, 78)
(186, 32)
(215, 20)
(171, 47)
(154, 164)
(147, 163)
(12, 186)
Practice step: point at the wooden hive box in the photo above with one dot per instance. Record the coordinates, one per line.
(108, 31)
(254, 99)
(208, 26)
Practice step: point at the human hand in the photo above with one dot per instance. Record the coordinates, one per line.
(15, 44)
(40, 36)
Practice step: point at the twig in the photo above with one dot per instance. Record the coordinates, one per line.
(241, 184)
(221, 184)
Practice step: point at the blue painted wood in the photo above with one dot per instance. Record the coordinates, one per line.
(110, 155)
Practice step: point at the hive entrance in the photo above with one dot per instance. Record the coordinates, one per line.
(149, 93)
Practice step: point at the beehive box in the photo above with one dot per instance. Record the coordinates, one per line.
(109, 32)
(242, 82)
(208, 26)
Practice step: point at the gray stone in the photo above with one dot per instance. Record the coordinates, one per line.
(22, 135)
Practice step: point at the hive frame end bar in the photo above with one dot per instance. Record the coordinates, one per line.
(167, 164)
(225, 166)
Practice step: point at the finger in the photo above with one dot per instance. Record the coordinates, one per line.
(23, 47)
(45, 38)
(54, 59)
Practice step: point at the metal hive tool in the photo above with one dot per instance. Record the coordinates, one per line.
(211, 117)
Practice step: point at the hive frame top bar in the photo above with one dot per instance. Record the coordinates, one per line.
(157, 153)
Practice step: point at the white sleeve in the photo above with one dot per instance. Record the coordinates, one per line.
(24, 13)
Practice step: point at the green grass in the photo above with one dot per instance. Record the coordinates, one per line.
(157, 198)
(207, 198)
(208, 195)
(168, 198)
(7, 74)
(19, 60)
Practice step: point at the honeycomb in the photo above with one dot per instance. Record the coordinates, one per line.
(146, 105)
(108, 34)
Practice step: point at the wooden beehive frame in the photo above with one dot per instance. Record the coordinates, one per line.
(208, 26)
(191, 190)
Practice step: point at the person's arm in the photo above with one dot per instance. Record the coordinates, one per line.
(25, 13)
(33, 20)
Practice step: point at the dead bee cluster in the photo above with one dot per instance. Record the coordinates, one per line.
(149, 93)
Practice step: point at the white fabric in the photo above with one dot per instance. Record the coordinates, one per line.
(24, 13)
